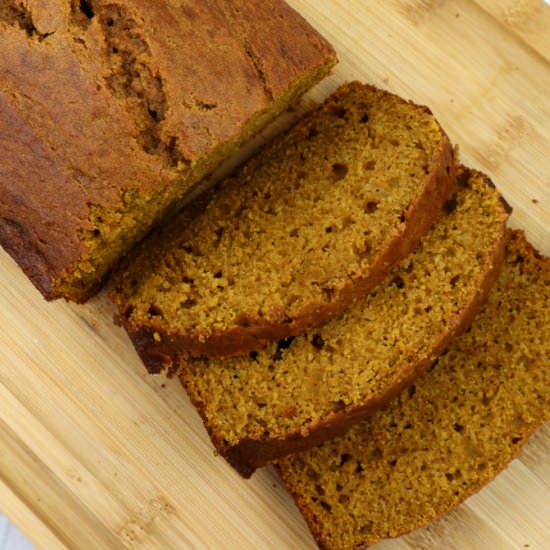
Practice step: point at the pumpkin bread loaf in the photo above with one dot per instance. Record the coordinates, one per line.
(110, 112)
(302, 391)
(448, 434)
(307, 226)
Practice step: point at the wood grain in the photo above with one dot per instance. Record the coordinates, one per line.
(96, 454)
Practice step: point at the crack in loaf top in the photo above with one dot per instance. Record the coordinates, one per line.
(107, 98)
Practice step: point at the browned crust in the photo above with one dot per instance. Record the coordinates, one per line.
(62, 158)
(21, 248)
(249, 454)
(160, 348)
(24, 251)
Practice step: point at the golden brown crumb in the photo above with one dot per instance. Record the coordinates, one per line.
(312, 222)
(446, 436)
(356, 361)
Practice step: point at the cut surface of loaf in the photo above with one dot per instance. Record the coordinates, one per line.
(302, 391)
(446, 436)
(308, 225)
(110, 112)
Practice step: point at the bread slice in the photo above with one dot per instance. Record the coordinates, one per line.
(448, 434)
(112, 112)
(311, 223)
(302, 391)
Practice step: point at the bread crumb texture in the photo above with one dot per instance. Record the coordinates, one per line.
(447, 435)
(294, 236)
(296, 385)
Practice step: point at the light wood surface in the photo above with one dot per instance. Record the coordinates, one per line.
(96, 454)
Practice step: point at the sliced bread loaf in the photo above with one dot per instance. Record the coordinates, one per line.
(447, 435)
(111, 112)
(311, 223)
(299, 392)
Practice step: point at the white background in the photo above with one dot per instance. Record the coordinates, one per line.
(11, 538)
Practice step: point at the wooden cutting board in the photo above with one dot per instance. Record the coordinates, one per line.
(96, 454)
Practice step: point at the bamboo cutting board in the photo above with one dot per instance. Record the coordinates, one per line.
(94, 453)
